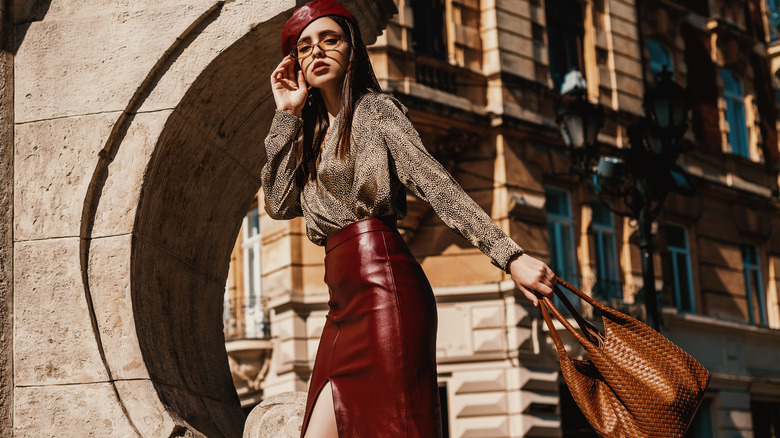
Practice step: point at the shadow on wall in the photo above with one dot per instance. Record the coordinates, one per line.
(25, 13)
(199, 184)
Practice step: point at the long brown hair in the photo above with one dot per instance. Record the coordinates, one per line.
(359, 79)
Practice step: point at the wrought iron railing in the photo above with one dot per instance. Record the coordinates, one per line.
(245, 322)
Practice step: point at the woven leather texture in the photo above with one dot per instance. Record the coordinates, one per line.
(635, 382)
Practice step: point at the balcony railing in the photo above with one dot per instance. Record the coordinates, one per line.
(246, 322)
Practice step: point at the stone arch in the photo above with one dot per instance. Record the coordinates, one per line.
(171, 186)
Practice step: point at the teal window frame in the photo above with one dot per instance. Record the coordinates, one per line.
(751, 261)
(560, 228)
(773, 11)
(701, 425)
(660, 56)
(680, 257)
(602, 228)
(734, 95)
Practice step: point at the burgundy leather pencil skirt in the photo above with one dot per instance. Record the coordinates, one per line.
(378, 347)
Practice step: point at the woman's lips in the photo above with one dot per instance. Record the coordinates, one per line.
(320, 68)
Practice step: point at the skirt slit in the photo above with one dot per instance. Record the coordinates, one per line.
(378, 345)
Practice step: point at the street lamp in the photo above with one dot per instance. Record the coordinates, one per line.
(579, 122)
(642, 175)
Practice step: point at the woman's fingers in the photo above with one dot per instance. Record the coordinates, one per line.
(289, 70)
(529, 295)
(544, 289)
(285, 74)
(532, 276)
(301, 80)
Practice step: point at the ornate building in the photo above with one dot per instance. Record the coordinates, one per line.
(482, 80)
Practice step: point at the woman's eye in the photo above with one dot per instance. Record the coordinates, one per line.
(304, 49)
(331, 41)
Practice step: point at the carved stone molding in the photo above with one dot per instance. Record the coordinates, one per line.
(249, 360)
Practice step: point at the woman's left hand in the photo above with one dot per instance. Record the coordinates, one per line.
(532, 275)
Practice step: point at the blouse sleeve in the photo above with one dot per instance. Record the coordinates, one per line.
(282, 195)
(426, 178)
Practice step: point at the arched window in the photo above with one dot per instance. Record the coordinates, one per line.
(660, 56)
(734, 95)
(565, 31)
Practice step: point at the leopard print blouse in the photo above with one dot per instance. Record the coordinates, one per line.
(385, 157)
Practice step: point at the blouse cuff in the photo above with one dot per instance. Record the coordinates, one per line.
(501, 253)
(284, 128)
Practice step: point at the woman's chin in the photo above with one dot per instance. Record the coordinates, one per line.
(324, 81)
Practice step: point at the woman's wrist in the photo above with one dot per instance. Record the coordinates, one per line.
(514, 257)
(291, 111)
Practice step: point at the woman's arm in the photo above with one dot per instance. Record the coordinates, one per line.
(282, 195)
(427, 179)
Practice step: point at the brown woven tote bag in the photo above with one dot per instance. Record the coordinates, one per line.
(635, 382)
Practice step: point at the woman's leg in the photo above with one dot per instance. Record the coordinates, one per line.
(322, 423)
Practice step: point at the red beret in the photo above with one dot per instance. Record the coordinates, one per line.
(307, 13)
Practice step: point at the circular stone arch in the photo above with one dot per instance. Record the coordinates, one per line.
(181, 168)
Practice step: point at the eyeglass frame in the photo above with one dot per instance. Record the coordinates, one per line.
(342, 39)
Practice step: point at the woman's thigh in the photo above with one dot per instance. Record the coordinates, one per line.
(322, 423)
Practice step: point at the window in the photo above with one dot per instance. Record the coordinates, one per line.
(254, 317)
(565, 33)
(734, 95)
(602, 229)
(753, 285)
(560, 227)
(537, 32)
(766, 418)
(701, 426)
(679, 263)
(774, 18)
(429, 33)
(660, 57)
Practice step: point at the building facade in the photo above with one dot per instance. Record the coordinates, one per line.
(482, 80)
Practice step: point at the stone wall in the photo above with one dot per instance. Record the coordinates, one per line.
(6, 216)
(138, 147)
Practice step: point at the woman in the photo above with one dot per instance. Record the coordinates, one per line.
(342, 155)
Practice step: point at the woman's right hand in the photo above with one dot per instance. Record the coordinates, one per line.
(289, 89)
(532, 276)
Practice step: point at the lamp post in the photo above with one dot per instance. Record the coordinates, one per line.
(641, 175)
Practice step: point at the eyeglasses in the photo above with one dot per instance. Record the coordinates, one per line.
(330, 42)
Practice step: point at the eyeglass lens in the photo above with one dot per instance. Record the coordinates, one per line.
(330, 42)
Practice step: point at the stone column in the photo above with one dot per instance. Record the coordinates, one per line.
(6, 215)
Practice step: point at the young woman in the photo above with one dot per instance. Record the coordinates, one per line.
(342, 155)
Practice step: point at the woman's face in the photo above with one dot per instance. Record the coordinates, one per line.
(324, 68)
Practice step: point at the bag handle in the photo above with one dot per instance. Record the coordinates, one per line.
(591, 332)
(589, 335)
(582, 295)
(548, 307)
